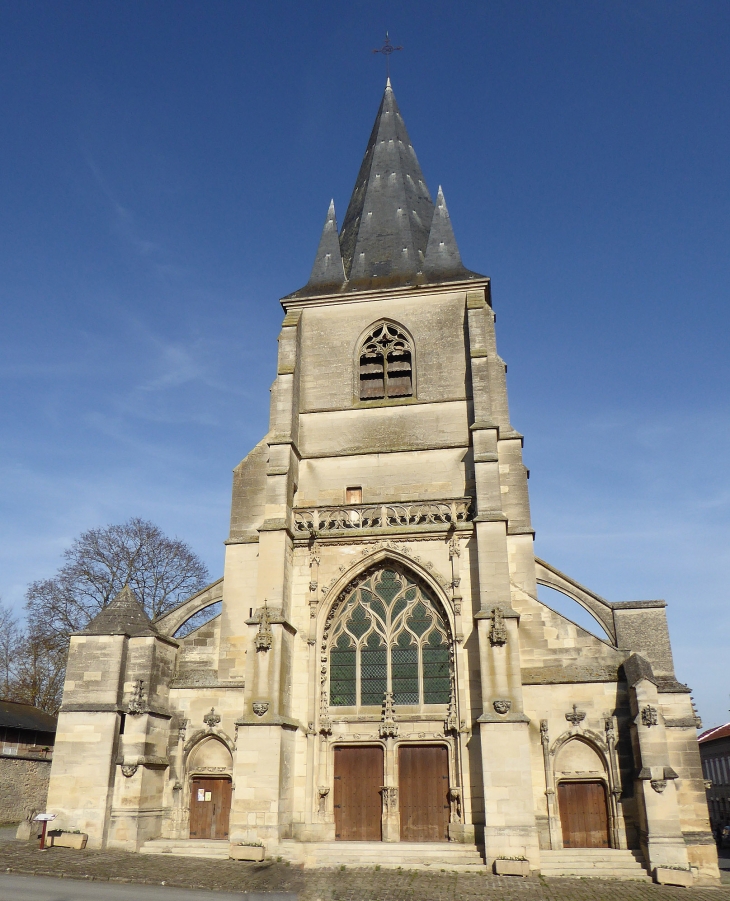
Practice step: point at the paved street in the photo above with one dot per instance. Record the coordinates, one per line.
(118, 876)
(46, 888)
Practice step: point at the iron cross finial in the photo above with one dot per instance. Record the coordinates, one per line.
(386, 50)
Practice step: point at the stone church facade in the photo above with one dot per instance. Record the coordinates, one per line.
(383, 678)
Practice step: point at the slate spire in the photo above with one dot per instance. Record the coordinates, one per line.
(328, 270)
(386, 226)
(392, 234)
(442, 254)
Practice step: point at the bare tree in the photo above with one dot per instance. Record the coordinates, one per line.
(161, 571)
(10, 641)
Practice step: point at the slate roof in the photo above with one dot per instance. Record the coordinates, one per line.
(24, 716)
(392, 234)
(123, 616)
(717, 732)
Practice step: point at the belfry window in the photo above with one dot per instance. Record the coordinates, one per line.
(386, 364)
(389, 635)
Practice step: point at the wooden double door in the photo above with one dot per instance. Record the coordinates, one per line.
(423, 783)
(583, 814)
(210, 807)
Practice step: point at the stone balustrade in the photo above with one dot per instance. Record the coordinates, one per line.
(349, 517)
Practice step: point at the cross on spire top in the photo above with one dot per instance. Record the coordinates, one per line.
(386, 50)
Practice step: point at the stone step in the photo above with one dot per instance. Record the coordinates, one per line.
(410, 855)
(598, 863)
(212, 850)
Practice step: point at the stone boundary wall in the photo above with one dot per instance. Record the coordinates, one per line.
(23, 787)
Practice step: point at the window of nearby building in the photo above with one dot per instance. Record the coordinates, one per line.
(386, 364)
(389, 636)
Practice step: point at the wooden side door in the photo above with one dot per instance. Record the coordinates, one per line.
(423, 781)
(583, 814)
(357, 800)
(210, 808)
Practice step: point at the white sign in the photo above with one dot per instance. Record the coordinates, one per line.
(45, 817)
(201, 794)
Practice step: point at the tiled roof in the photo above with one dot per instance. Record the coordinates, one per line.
(24, 716)
(717, 732)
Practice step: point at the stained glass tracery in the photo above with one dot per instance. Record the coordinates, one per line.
(389, 636)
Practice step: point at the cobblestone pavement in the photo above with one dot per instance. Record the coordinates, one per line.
(329, 885)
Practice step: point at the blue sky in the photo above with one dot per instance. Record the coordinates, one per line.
(165, 171)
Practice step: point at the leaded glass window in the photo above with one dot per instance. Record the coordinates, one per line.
(389, 635)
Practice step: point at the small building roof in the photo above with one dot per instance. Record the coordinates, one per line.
(123, 616)
(14, 715)
(717, 732)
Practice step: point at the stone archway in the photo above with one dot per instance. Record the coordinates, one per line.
(209, 783)
(582, 787)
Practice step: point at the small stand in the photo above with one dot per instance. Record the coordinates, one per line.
(44, 818)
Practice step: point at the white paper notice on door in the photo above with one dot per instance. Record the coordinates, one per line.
(209, 796)
(201, 794)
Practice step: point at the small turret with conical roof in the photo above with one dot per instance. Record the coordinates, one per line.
(123, 616)
(392, 233)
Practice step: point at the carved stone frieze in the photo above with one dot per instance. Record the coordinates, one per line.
(498, 632)
(352, 517)
(390, 798)
(137, 704)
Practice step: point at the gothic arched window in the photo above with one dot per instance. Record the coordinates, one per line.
(386, 364)
(389, 635)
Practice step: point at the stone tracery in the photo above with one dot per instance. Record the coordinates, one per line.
(389, 636)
